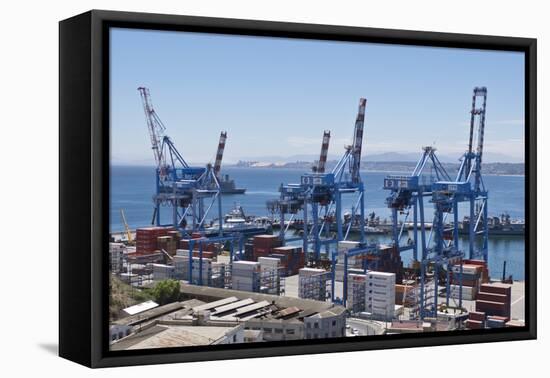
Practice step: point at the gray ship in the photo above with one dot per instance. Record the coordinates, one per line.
(228, 186)
(501, 226)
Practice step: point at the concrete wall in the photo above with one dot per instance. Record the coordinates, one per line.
(317, 327)
(277, 330)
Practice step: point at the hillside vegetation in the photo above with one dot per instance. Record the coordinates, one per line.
(123, 295)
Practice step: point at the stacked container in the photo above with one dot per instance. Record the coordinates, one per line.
(184, 244)
(471, 279)
(484, 269)
(263, 245)
(495, 299)
(312, 284)
(181, 266)
(218, 274)
(249, 251)
(292, 258)
(116, 254)
(476, 320)
(205, 254)
(354, 263)
(388, 259)
(468, 292)
(168, 244)
(356, 292)
(405, 293)
(270, 282)
(147, 237)
(245, 276)
(162, 272)
(496, 321)
(176, 237)
(380, 295)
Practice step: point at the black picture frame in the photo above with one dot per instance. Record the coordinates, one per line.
(84, 185)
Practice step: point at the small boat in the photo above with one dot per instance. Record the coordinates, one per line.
(237, 221)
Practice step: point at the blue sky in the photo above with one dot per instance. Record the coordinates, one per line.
(275, 96)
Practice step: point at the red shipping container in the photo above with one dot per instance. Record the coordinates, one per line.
(210, 247)
(491, 297)
(496, 288)
(266, 241)
(498, 318)
(205, 254)
(474, 324)
(474, 262)
(493, 308)
(480, 316)
(470, 283)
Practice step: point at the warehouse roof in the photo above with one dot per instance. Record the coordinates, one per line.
(211, 305)
(162, 336)
(209, 294)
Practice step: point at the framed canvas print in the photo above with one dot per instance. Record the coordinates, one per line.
(234, 188)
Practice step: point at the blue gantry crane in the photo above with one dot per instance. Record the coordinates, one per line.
(190, 192)
(468, 188)
(319, 196)
(407, 193)
(439, 248)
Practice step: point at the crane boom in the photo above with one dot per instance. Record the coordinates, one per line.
(358, 141)
(320, 167)
(155, 126)
(476, 113)
(219, 153)
(126, 227)
(481, 129)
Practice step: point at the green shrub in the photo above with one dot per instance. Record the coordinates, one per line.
(166, 291)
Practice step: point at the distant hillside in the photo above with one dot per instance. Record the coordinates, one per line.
(391, 166)
(384, 157)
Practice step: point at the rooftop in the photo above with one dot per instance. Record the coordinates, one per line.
(210, 294)
(164, 336)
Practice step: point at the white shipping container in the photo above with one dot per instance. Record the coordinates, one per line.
(240, 273)
(245, 278)
(466, 270)
(246, 264)
(344, 245)
(269, 261)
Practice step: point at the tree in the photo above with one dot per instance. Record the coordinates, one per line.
(166, 291)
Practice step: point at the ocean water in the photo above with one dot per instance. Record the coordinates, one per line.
(132, 190)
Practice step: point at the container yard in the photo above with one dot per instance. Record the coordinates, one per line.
(312, 272)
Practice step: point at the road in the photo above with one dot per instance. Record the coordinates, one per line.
(365, 327)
